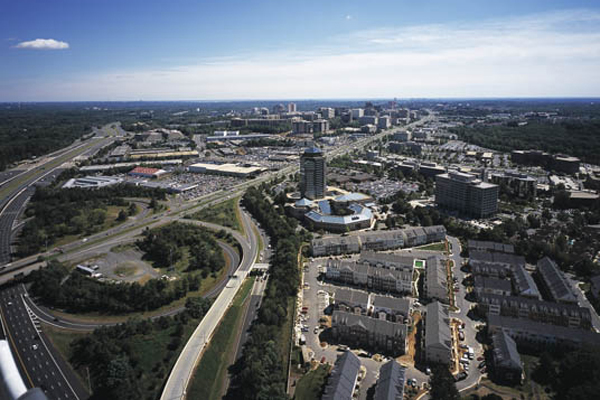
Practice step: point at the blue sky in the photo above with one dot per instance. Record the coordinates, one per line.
(211, 50)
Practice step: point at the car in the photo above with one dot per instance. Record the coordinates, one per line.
(461, 335)
(481, 364)
(34, 347)
(10, 303)
(480, 358)
(483, 370)
(323, 360)
(464, 346)
(304, 329)
(466, 368)
(471, 356)
(427, 371)
(316, 330)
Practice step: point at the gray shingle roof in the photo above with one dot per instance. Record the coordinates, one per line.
(400, 305)
(390, 385)
(524, 283)
(351, 297)
(490, 246)
(340, 384)
(375, 325)
(505, 351)
(482, 282)
(557, 284)
(437, 326)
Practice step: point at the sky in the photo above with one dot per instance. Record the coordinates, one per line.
(107, 50)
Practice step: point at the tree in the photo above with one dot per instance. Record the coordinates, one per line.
(122, 216)
(442, 384)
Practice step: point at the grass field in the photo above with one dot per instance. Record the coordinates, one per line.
(310, 386)
(441, 246)
(226, 214)
(209, 377)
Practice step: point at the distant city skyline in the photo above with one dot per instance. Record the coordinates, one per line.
(234, 50)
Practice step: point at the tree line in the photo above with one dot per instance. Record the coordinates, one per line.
(260, 373)
(58, 286)
(120, 363)
(54, 213)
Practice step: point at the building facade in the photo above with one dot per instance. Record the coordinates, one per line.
(313, 172)
(466, 194)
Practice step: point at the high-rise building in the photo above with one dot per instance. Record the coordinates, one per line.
(357, 113)
(321, 126)
(312, 174)
(291, 107)
(466, 194)
(327, 112)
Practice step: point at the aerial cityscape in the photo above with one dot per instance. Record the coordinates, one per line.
(347, 201)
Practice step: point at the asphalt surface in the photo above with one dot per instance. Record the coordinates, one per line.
(44, 171)
(35, 358)
(182, 371)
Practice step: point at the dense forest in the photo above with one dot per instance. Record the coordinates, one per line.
(166, 245)
(260, 373)
(131, 361)
(58, 286)
(580, 138)
(54, 213)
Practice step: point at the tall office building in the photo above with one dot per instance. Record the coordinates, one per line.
(313, 171)
(466, 194)
(292, 107)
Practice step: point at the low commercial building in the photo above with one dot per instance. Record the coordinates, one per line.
(390, 384)
(361, 218)
(145, 172)
(372, 333)
(401, 136)
(562, 163)
(240, 171)
(555, 283)
(518, 184)
(92, 182)
(570, 315)
(409, 147)
(507, 361)
(438, 337)
(466, 194)
(431, 169)
(343, 378)
(436, 280)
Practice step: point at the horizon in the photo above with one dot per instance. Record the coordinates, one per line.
(236, 51)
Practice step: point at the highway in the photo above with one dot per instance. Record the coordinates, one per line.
(38, 363)
(19, 187)
(182, 371)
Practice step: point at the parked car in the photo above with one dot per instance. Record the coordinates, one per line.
(461, 335)
(481, 364)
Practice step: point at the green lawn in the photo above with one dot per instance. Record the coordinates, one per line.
(310, 386)
(441, 246)
(226, 214)
(209, 377)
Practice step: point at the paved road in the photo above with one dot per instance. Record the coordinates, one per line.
(16, 191)
(464, 306)
(181, 373)
(45, 315)
(34, 354)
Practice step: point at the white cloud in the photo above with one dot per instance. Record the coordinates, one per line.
(348, 17)
(555, 54)
(43, 44)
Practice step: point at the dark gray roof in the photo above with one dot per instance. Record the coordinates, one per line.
(524, 283)
(437, 326)
(401, 305)
(495, 258)
(395, 260)
(375, 325)
(482, 282)
(541, 330)
(351, 297)
(390, 385)
(490, 246)
(537, 306)
(505, 351)
(557, 284)
(340, 384)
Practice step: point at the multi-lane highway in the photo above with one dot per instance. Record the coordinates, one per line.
(37, 361)
(18, 187)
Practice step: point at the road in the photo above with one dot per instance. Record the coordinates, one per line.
(35, 357)
(464, 307)
(182, 371)
(16, 190)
